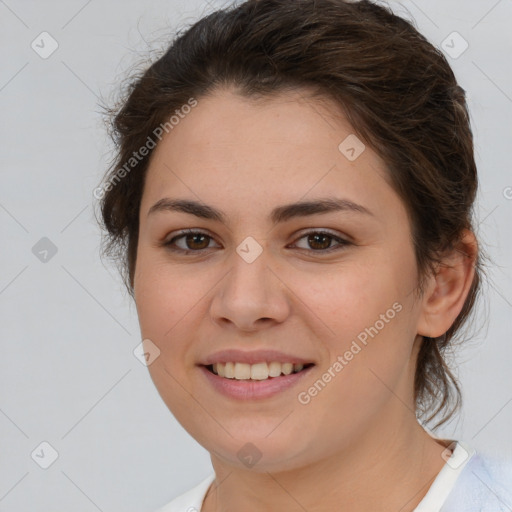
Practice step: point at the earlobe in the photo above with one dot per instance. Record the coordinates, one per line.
(448, 288)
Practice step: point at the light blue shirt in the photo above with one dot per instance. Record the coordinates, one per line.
(484, 485)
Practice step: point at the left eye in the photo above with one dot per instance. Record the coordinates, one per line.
(318, 239)
(197, 241)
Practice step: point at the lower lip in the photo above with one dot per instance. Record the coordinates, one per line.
(253, 389)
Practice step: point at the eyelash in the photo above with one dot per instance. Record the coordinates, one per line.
(341, 242)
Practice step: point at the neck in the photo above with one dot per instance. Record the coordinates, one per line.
(389, 471)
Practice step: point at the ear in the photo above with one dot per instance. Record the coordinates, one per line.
(447, 290)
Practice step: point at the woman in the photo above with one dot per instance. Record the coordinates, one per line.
(292, 205)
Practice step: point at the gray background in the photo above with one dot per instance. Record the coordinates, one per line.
(68, 373)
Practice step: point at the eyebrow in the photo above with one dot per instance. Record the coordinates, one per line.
(278, 215)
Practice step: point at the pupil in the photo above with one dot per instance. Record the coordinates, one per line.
(314, 239)
(196, 236)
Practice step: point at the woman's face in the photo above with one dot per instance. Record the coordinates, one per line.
(332, 288)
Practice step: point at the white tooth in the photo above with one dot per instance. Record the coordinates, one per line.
(242, 371)
(229, 371)
(287, 368)
(274, 369)
(259, 371)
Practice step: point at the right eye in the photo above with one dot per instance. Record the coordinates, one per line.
(194, 241)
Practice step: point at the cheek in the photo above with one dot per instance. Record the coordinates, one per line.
(164, 313)
(171, 304)
(363, 318)
(160, 295)
(350, 296)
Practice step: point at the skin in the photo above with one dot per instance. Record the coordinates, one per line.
(357, 445)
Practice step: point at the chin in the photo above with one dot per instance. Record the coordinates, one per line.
(272, 453)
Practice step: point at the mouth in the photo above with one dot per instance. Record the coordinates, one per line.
(248, 382)
(256, 372)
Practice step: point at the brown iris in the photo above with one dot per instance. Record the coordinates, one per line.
(195, 236)
(314, 237)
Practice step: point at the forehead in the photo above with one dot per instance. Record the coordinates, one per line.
(290, 119)
(274, 149)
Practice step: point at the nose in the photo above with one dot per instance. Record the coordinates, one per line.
(251, 296)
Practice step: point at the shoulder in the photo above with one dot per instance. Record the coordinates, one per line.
(484, 485)
(191, 500)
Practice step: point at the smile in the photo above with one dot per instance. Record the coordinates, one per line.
(258, 371)
(270, 379)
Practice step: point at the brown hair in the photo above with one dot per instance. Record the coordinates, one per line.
(396, 89)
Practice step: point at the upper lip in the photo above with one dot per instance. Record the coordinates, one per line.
(252, 357)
